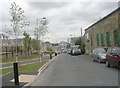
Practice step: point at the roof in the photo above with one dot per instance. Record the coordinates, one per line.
(103, 18)
(3, 35)
(12, 41)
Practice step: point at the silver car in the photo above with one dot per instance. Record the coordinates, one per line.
(99, 54)
(75, 50)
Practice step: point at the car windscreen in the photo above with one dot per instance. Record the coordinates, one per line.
(106, 49)
(101, 50)
(75, 47)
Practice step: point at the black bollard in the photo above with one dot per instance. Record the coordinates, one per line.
(55, 54)
(50, 56)
(16, 76)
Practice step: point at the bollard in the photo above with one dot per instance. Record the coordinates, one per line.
(16, 76)
(55, 54)
(50, 56)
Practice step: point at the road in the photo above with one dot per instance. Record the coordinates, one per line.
(67, 70)
(3, 65)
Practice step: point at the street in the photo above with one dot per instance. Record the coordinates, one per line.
(67, 70)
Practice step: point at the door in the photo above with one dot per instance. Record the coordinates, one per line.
(114, 57)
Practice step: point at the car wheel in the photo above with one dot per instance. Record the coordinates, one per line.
(99, 60)
(107, 63)
(119, 65)
(93, 60)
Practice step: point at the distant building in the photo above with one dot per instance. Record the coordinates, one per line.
(103, 33)
(46, 45)
(11, 43)
(63, 46)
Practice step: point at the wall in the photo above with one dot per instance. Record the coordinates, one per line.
(107, 24)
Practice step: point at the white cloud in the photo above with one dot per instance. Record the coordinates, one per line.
(65, 18)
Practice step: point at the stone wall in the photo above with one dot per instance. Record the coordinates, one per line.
(107, 24)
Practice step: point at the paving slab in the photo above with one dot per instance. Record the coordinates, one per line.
(25, 78)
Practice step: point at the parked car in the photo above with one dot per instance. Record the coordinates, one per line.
(99, 54)
(113, 57)
(69, 51)
(34, 51)
(75, 50)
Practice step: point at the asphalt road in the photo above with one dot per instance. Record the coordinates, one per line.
(67, 70)
(3, 65)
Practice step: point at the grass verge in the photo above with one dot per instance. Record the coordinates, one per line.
(33, 67)
(20, 58)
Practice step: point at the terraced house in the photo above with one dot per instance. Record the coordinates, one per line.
(103, 33)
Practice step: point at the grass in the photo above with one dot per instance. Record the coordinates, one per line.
(20, 58)
(5, 71)
(33, 67)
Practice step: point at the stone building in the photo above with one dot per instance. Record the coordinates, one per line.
(46, 45)
(103, 33)
(11, 45)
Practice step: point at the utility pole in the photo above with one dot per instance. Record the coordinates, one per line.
(81, 32)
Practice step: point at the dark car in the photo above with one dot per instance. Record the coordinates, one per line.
(99, 54)
(113, 57)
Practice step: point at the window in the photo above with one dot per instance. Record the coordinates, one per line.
(107, 39)
(101, 50)
(102, 39)
(98, 39)
(113, 51)
(115, 37)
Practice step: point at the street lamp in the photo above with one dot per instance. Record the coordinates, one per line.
(40, 32)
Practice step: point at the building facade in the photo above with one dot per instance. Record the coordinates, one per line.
(46, 45)
(103, 33)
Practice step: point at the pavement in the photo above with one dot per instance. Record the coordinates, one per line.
(24, 78)
(7, 79)
(67, 70)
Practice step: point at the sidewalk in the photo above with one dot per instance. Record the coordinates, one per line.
(7, 80)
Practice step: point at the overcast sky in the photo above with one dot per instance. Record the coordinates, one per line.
(65, 17)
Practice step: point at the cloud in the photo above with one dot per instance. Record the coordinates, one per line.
(65, 18)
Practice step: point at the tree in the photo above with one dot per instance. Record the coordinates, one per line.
(35, 44)
(79, 41)
(17, 15)
(27, 42)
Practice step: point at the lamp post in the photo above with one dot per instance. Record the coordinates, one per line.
(40, 32)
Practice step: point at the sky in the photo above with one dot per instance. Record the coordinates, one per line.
(65, 17)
